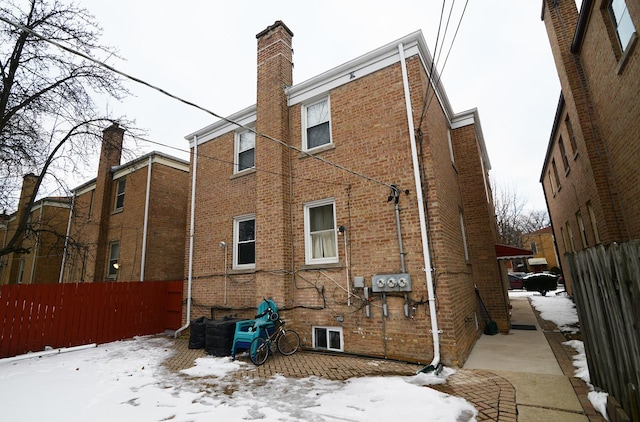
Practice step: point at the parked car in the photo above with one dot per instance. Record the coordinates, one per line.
(540, 282)
(515, 280)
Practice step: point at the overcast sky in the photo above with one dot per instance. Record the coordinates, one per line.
(205, 52)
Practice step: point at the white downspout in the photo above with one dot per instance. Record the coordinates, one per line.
(146, 220)
(66, 239)
(423, 225)
(191, 231)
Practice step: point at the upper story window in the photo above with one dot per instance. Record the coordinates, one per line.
(563, 153)
(321, 244)
(316, 124)
(120, 194)
(245, 148)
(555, 174)
(244, 242)
(621, 22)
(572, 136)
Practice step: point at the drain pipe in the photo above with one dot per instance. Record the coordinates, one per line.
(146, 220)
(66, 239)
(423, 226)
(191, 231)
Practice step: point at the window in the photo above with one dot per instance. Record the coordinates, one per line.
(20, 271)
(316, 118)
(563, 152)
(328, 338)
(321, 244)
(552, 184)
(245, 151)
(555, 174)
(583, 233)
(114, 256)
(594, 224)
(244, 242)
(534, 248)
(571, 241)
(572, 136)
(565, 244)
(621, 22)
(464, 237)
(120, 194)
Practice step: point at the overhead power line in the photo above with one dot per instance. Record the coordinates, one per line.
(192, 104)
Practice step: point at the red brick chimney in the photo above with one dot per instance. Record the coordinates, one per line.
(273, 234)
(110, 154)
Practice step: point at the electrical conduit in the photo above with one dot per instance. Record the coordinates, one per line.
(191, 231)
(423, 226)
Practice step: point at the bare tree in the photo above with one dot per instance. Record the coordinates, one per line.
(512, 217)
(48, 121)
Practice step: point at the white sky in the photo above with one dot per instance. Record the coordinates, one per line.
(125, 381)
(205, 52)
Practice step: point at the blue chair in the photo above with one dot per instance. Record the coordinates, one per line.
(247, 330)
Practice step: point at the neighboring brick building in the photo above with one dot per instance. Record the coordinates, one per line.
(304, 211)
(128, 224)
(43, 238)
(590, 175)
(542, 245)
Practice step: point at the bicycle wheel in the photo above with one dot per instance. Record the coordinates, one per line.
(259, 351)
(288, 342)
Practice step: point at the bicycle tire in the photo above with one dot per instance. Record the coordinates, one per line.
(259, 351)
(288, 342)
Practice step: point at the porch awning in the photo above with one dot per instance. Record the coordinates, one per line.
(511, 252)
(537, 261)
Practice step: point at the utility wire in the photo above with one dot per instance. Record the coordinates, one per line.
(175, 97)
(200, 155)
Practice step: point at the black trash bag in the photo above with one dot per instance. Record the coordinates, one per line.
(219, 337)
(197, 336)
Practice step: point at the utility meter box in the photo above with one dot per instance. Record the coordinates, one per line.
(391, 283)
(358, 282)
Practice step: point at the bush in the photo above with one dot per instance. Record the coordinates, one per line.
(542, 283)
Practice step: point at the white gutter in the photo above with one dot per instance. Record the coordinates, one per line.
(423, 226)
(191, 231)
(66, 239)
(146, 220)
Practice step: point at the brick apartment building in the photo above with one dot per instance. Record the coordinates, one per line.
(590, 175)
(302, 207)
(128, 224)
(44, 238)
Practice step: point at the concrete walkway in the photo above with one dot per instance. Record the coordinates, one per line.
(545, 391)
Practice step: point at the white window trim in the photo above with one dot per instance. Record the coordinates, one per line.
(309, 260)
(337, 329)
(304, 124)
(118, 195)
(236, 234)
(114, 275)
(236, 153)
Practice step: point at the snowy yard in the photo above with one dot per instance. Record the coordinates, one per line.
(126, 381)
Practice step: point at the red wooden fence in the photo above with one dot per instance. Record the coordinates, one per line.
(63, 315)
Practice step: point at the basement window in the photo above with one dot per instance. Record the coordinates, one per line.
(328, 338)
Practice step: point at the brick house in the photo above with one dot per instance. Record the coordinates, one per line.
(44, 238)
(590, 174)
(128, 223)
(542, 244)
(316, 202)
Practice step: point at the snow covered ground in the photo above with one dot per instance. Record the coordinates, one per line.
(125, 381)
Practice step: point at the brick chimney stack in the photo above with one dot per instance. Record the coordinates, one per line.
(110, 154)
(275, 74)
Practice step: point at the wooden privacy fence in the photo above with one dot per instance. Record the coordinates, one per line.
(606, 285)
(63, 315)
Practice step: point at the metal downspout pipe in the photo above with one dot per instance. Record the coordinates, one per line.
(423, 225)
(191, 232)
(146, 220)
(66, 239)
